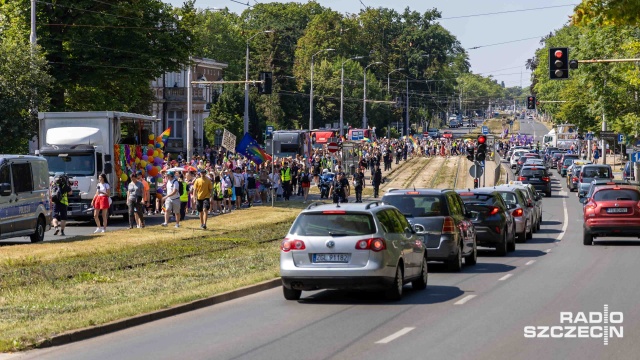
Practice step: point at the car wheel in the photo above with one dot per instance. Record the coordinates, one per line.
(472, 258)
(587, 239)
(523, 236)
(529, 234)
(421, 283)
(501, 249)
(291, 294)
(538, 224)
(548, 194)
(394, 293)
(455, 264)
(38, 234)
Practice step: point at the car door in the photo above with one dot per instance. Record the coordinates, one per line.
(7, 215)
(26, 201)
(412, 246)
(393, 238)
(467, 229)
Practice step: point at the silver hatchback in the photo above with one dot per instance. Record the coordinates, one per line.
(364, 246)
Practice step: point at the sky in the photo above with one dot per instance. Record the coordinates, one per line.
(506, 62)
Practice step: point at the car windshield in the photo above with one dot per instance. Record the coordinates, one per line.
(568, 161)
(533, 172)
(558, 155)
(319, 224)
(471, 198)
(616, 194)
(593, 172)
(73, 164)
(418, 205)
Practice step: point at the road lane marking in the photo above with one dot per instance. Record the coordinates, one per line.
(394, 336)
(530, 262)
(464, 299)
(547, 251)
(566, 220)
(505, 277)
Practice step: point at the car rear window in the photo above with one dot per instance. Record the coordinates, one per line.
(509, 198)
(591, 172)
(319, 224)
(568, 161)
(616, 194)
(533, 172)
(470, 198)
(418, 205)
(558, 155)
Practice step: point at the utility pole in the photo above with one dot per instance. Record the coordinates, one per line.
(407, 107)
(189, 115)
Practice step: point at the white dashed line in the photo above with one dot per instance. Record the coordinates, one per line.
(566, 220)
(505, 277)
(547, 251)
(394, 336)
(530, 262)
(464, 300)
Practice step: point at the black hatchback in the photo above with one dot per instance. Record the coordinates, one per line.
(495, 226)
(538, 177)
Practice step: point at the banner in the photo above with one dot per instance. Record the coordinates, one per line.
(229, 141)
(250, 148)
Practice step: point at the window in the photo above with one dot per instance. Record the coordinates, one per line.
(390, 221)
(616, 195)
(318, 224)
(5, 175)
(99, 159)
(22, 180)
(417, 206)
(175, 122)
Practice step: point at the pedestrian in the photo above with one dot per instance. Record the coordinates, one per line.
(337, 190)
(358, 183)
(217, 195)
(285, 177)
(172, 199)
(135, 191)
(252, 187)
(202, 189)
(100, 203)
(238, 185)
(376, 181)
(183, 191)
(305, 183)
(60, 204)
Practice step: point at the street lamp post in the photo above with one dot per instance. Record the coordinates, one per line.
(311, 89)
(246, 84)
(342, 93)
(364, 97)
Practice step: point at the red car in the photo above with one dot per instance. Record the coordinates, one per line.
(612, 210)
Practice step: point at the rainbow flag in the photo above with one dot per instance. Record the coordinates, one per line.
(250, 148)
(165, 134)
(413, 141)
(367, 139)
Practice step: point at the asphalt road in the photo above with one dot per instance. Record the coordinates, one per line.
(479, 313)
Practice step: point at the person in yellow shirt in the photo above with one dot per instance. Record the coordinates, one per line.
(202, 189)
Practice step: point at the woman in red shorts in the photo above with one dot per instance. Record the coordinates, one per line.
(100, 203)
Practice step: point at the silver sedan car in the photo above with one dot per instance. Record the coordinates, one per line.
(366, 246)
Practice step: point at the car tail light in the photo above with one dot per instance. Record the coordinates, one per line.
(494, 210)
(335, 212)
(373, 244)
(545, 179)
(575, 179)
(448, 226)
(591, 205)
(517, 212)
(521, 178)
(498, 229)
(287, 245)
(638, 205)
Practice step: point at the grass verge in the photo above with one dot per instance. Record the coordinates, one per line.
(49, 288)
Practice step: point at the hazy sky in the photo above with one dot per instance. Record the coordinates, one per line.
(505, 62)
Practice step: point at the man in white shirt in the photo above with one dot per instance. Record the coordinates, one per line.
(238, 184)
(172, 199)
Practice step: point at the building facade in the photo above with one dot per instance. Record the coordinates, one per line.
(170, 103)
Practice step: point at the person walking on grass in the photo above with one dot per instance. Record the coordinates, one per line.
(202, 188)
(60, 205)
(171, 200)
(135, 190)
(100, 203)
(305, 183)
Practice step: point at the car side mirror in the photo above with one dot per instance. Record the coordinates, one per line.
(529, 203)
(108, 168)
(409, 231)
(582, 200)
(5, 189)
(419, 229)
(511, 206)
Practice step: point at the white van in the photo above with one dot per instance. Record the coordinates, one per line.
(25, 204)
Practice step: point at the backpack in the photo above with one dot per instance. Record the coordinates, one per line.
(55, 194)
(251, 182)
(305, 178)
(180, 188)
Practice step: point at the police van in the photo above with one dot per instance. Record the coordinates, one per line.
(25, 204)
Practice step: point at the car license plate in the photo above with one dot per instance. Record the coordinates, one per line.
(331, 258)
(617, 210)
(534, 179)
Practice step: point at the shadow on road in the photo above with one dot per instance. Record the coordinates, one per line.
(479, 268)
(549, 231)
(549, 222)
(517, 253)
(616, 242)
(432, 295)
(537, 240)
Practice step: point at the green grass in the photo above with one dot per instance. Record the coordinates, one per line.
(42, 296)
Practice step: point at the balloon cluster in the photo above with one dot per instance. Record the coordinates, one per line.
(149, 158)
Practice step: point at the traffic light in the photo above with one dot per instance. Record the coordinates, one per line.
(476, 183)
(266, 78)
(481, 151)
(531, 103)
(558, 63)
(470, 151)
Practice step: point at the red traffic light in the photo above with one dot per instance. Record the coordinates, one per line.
(530, 98)
(558, 54)
(482, 139)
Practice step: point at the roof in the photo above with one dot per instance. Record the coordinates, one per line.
(96, 114)
(365, 206)
(484, 190)
(4, 157)
(416, 191)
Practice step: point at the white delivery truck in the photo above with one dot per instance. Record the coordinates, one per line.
(82, 145)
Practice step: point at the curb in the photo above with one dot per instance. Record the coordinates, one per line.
(117, 325)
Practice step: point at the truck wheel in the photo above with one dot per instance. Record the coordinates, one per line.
(38, 234)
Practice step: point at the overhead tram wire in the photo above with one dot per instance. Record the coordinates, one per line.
(506, 12)
(505, 42)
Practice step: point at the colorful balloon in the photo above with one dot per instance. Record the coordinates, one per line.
(150, 152)
(149, 167)
(151, 137)
(158, 145)
(123, 177)
(153, 171)
(150, 158)
(143, 163)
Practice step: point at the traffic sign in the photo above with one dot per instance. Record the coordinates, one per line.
(609, 135)
(620, 138)
(629, 151)
(269, 130)
(589, 136)
(635, 157)
(472, 171)
(332, 147)
(485, 130)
